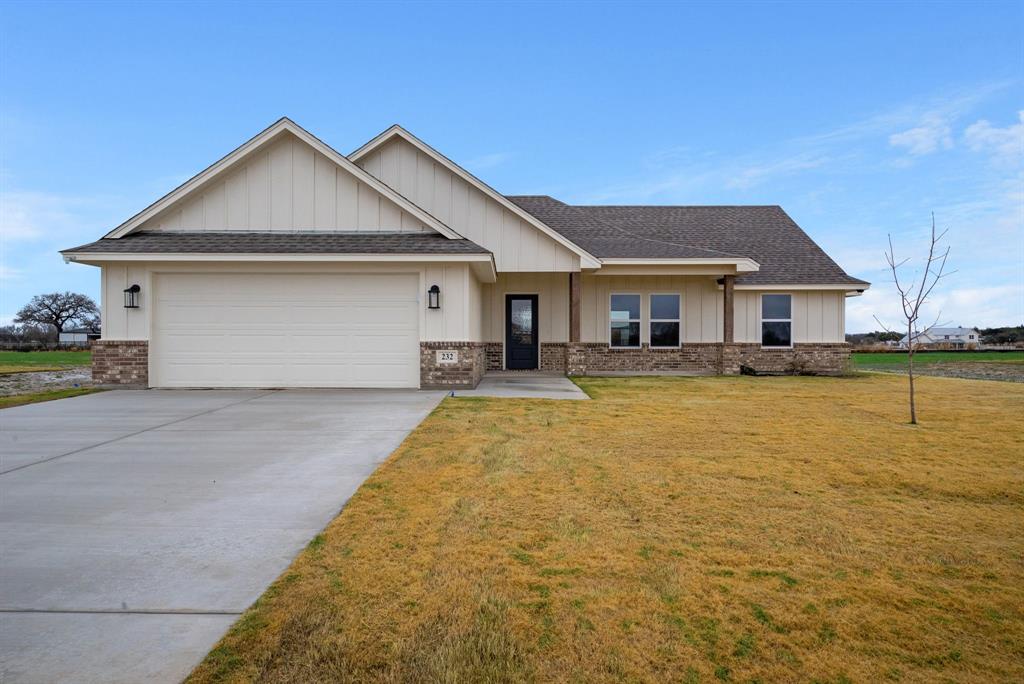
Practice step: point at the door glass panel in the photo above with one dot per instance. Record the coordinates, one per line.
(522, 321)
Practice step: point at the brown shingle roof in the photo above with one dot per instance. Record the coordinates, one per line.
(765, 234)
(280, 243)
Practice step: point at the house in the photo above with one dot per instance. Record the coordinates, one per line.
(288, 264)
(944, 338)
(77, 337)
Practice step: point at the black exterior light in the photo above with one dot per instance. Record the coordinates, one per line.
(131, 297)
(434, 297)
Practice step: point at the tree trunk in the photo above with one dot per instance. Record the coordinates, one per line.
(910, 375)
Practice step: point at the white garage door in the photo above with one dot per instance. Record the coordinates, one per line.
(285, 330)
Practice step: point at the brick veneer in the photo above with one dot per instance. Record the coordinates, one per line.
(710, 358)
(552, 356)
(464, 374)
(589, 358)
(495, 352)
(803, 359)
(120, 362)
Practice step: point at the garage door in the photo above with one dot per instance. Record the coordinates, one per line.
(285, 330)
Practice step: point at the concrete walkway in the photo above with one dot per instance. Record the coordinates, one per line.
(136, 526)
(525, 386)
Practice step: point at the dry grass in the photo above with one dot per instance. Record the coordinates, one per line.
(702, 529)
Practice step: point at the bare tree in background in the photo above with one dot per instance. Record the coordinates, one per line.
(58, 309)
(914, 294)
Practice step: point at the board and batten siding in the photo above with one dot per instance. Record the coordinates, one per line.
(457, 320)
(552, 290)
(517, 245)
(702, 310)
(818, 316)
(285, 185)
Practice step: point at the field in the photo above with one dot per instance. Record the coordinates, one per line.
(928, 358)
(23, 362)
(672, 529)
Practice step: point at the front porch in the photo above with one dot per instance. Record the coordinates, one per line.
(658, 321)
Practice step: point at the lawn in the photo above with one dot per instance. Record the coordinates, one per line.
(868, 359)
(47, 395)
(672, 529)
(20, 362)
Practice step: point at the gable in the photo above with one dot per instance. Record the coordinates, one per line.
(283, 177)
(284, 184)
(420, 174)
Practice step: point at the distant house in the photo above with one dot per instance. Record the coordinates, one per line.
(77, 337)
(945, 338)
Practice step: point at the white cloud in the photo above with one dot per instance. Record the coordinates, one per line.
(488, 161)
(933, 134)
(1005, 144)
(753, 175)
(8, 273)
(983, 307)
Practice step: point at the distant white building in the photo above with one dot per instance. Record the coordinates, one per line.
(945, 338)
(77, 337)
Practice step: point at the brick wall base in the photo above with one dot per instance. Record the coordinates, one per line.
(124, 363)
(591, 358)
(552, 356)
(464, 374)
(802, 359)
(709, 358)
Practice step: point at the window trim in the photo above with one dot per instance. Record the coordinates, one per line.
(762, 320)
(651, 319)
(640, 320)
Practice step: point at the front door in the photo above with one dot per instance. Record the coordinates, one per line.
(521, 343)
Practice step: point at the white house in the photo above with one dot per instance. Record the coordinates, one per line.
(945, 338)
(288, 264)
(77, 337)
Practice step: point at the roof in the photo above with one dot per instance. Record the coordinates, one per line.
(766, 234)
(279, 243)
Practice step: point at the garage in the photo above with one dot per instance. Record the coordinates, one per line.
(285, 330)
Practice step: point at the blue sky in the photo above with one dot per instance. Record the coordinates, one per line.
(859, 119)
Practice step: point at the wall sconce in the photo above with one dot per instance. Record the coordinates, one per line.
(434, 297)
(131, 297)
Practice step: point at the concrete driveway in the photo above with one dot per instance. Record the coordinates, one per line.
(136, 526)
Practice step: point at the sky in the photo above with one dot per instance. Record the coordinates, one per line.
(859, 119)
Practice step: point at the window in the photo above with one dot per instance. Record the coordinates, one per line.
(776, 320)
(970, 337)
(664, 320)
(624, 319)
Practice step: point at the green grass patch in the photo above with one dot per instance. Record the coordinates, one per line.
(17, 362)
(50, 395)
(870, 359)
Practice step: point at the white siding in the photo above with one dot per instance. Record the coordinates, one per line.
(702, 307)
(517, 246)
(818, 316)
(552, 304)
(285, 185)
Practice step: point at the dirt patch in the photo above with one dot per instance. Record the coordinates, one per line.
(25, 383)
(1006, 372)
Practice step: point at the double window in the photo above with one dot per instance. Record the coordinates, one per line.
(625, 321)
(776, 320)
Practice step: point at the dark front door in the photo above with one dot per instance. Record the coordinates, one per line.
(521, 344)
